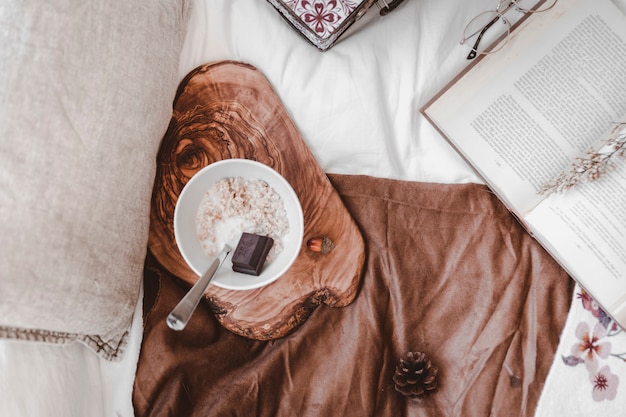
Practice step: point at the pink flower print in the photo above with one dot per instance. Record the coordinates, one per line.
(320, 15)
(604, 384)
(590, 346)
(589, 303)
(594, 308)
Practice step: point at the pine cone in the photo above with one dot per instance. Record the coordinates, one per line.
(415, 375)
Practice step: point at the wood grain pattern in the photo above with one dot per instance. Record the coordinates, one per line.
(229, 110)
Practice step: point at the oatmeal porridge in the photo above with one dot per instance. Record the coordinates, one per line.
(236, 205)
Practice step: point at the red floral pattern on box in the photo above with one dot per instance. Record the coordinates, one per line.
(323, 16)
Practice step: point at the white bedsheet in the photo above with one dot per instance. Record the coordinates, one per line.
(45, 380)
(357, 107)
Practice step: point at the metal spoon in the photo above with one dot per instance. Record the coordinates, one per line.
(178, 318)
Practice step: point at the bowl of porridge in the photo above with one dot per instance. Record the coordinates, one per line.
(230, 197)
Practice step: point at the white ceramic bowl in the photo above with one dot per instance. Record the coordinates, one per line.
(185, 223)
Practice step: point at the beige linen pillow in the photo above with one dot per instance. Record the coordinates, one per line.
(86, 89)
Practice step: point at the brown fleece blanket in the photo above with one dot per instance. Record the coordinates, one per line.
(448, 272)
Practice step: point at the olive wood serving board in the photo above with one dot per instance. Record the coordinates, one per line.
(229, 110)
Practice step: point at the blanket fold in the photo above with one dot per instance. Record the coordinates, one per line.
(449, 272)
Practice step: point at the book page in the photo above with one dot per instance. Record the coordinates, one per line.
(522, 114)
(588, 226)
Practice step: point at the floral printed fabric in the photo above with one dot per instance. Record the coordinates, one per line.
(323, 16)
(594, 349)
(588, 376)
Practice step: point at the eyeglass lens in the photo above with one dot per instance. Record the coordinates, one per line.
(494, 25)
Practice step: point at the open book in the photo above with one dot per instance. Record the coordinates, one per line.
(522, 115)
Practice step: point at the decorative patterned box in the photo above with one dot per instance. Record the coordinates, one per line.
(322, 22)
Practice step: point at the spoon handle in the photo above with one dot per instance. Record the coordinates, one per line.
(178, 318)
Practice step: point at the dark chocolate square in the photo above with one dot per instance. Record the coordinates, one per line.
(250, 253)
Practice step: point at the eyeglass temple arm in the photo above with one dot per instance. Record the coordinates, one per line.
(474, 50)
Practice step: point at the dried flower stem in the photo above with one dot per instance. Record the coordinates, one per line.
(594, 166)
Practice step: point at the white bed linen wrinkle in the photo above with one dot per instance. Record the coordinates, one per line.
(51, 380)
(309, 76)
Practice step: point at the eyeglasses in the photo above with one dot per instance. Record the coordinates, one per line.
(485, 20)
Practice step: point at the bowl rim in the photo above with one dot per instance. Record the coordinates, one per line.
(192, 193)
